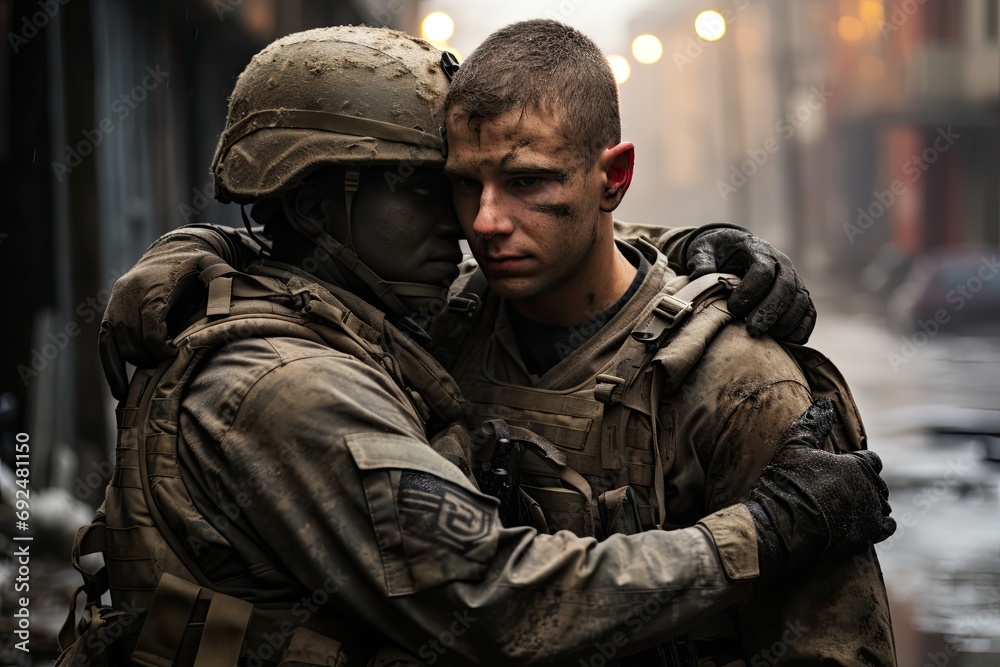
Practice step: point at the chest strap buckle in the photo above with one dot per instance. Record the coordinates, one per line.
(466, 303)
(669, 312)
(610, 389)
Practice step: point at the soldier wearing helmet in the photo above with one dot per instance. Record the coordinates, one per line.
(288, 487)
(379, 148)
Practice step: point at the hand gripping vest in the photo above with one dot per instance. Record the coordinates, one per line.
(162, 604)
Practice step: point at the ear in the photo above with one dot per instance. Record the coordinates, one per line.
(312, 202)
(305, 202)
(618, 175)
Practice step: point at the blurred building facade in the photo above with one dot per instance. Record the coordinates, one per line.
(842, 130)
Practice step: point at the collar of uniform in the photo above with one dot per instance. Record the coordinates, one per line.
(419, 369)
(597, 351)
(364, 311)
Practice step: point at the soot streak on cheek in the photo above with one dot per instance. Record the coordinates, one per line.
(562, 211)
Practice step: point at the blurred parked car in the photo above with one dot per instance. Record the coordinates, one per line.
(886, 271)
(952, 290)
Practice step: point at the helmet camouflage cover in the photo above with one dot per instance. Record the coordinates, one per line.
(339, 95)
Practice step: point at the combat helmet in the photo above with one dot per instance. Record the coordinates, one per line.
(345, 95)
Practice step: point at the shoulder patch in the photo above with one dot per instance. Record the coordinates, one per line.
(442, 512)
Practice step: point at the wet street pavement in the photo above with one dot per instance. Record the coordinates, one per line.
(927, 400)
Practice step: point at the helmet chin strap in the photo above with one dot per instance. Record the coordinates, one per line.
(387, 292)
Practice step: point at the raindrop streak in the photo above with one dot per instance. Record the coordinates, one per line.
(196, 32)
(33, 154)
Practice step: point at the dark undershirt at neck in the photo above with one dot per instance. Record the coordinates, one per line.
(542, 346)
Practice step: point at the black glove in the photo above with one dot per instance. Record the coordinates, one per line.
(810, 503)
(771, 296)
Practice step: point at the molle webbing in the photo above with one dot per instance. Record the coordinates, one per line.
(170, 629)
(606, 429)
(462, 313)
(139, 528)
(633, 384)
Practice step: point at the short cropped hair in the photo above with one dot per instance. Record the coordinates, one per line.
(546, 66)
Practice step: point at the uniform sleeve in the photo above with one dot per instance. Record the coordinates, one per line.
(420, 553)
(753, 391)
(161, 284)
(667, 239)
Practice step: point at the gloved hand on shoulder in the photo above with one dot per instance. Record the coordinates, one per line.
(771, 295)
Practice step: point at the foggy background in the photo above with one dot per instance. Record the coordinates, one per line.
(862, 137)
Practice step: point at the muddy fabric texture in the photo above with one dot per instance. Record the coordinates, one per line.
(717, 432)
(151, 301)
(279, 129)
(309, 466)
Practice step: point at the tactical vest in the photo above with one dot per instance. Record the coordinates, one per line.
(606, 474)
(162, 604)
(604, 427)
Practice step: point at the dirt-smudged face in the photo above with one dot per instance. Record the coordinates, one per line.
(530, 208)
